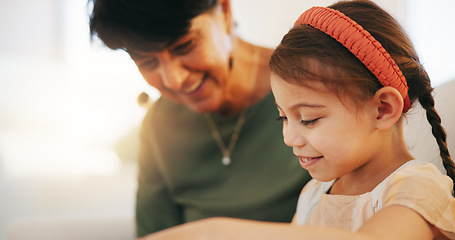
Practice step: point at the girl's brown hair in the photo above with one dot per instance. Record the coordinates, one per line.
(306, 55)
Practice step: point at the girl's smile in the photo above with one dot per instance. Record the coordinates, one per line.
(307, 162)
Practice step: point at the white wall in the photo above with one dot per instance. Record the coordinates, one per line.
(30, 27)
(274, 18)
(430, 25)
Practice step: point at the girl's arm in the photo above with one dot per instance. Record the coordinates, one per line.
(392, 222)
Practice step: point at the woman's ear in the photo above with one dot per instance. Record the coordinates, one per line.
(389, 104)
(226, 8)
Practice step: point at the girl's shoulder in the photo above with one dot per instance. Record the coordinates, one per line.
(418, 175)
(421, 187)
(415, 181)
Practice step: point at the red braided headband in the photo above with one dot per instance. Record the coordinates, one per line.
(359, 42)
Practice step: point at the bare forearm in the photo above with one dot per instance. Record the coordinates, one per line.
(245, 229)
(392, 223)
(227, 229)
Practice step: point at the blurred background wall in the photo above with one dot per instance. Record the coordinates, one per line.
(68, 109)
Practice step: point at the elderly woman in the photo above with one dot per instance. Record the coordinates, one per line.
(209, 144)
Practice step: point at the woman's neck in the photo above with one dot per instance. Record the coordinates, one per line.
(249, 81)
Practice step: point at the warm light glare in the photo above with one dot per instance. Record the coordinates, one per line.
(64, 113)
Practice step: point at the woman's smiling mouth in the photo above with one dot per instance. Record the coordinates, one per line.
(194, 86)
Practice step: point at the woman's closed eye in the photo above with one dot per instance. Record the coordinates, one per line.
(149, 64)
(184, 48)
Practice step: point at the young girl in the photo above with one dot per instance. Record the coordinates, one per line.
(343, 79)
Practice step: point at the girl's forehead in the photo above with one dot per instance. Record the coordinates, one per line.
(289, 94)
(301, 84)
(290, 91)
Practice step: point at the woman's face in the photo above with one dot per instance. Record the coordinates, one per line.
(330, 138)
(194, 70)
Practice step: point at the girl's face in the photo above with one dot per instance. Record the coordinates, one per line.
(331, 138)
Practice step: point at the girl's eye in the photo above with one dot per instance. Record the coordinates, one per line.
(282, 118)
(309, 122)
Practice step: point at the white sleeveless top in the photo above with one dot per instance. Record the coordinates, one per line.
(410, 186)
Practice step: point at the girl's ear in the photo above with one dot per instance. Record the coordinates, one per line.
(389, 105)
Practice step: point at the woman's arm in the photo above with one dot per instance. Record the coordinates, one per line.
(393, 222)
(155, 207)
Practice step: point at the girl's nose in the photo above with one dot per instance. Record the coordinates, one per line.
(292, 137)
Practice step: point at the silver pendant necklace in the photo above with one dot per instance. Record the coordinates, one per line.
(226, 151)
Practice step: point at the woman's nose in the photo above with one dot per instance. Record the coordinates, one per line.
(173, 74)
